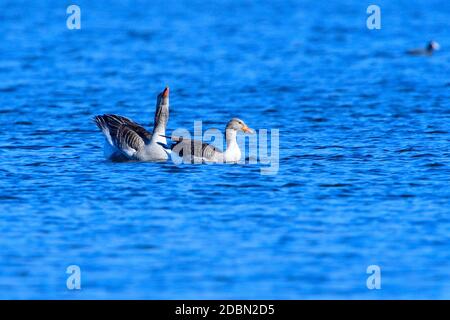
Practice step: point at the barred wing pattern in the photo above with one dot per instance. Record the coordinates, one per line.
(194, 148)
(122, 133)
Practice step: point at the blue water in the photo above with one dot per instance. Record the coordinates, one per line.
(364, 150)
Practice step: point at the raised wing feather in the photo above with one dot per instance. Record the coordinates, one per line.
(122, 133)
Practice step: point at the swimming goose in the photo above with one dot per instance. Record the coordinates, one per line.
(127, 140)
(428, 51)
(192, 150)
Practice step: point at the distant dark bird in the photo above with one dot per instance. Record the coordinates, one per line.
(127, 140)
(428, 51)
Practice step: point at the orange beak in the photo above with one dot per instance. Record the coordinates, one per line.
(247, 129)
(166, 92)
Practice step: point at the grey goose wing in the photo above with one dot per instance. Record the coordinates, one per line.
(187, 147)
(141, 131)
(122, 133)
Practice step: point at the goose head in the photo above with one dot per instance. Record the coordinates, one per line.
(162, 109)
(238, 125)
(163, 97)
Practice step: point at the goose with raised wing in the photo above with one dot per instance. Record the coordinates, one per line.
(194, 150)
(127, 140)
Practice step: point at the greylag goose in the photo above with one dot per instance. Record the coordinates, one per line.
(428, 51)
(127, 140)
(194, 150)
